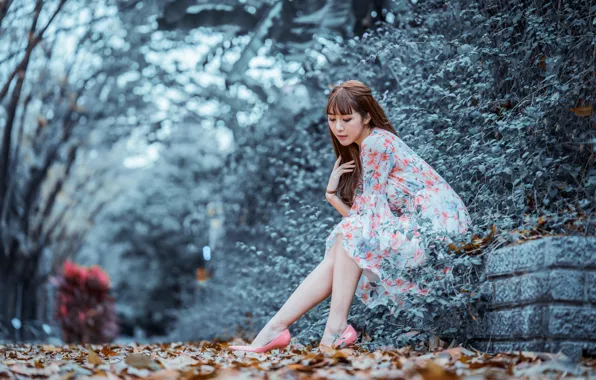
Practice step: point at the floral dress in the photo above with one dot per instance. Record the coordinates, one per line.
(382, 233)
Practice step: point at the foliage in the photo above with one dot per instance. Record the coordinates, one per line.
(84, 308)
(497, 99)
(502, 108)
(506, 112)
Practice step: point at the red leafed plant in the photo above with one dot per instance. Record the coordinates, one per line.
(84, 309)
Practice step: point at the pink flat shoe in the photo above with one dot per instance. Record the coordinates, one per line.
(281, 341)
(348, 337)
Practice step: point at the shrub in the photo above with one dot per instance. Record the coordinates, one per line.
(498, 99)
(83, 308)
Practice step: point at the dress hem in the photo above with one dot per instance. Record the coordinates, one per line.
(379, 299)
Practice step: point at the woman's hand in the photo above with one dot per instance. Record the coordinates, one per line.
(338, 170)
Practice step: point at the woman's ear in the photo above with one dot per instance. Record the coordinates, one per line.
(367, 118)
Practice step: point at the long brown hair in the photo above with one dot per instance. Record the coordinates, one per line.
(345, 97)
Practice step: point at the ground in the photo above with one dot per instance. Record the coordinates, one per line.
(198, 360)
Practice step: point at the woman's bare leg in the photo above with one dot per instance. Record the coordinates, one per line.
(314, 288)
(346, 274)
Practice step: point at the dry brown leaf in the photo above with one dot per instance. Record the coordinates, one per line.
(93, 358)
(50, 348)
(107, 351)
(300, 367)
(211, 360)
(26, 370)
(140, 361)
(205, 368)
(434, 371)
(327, 350)
(178, 362)
(164, 374)
(454, 352)
(363, 362)
(582, 111)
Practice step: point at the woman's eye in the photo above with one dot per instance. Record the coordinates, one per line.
(347, 120)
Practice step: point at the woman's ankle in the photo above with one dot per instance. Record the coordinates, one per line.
(277, 326)
(336, 328)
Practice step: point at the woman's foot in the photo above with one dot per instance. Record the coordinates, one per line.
(331, 334)
(267, 334)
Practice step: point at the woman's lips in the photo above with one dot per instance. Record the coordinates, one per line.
(342, 137)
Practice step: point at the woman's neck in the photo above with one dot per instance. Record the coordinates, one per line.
(368, 131)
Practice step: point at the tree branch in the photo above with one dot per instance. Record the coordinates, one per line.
(4, 5)
(7, 138)
(22, 66)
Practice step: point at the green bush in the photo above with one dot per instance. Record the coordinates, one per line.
(496, 97)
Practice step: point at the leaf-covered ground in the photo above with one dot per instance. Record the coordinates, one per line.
(202, 360)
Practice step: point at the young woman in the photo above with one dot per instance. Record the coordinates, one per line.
(384, 191)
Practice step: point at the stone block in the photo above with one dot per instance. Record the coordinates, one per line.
(591, 287)
(566, 285)
(571, 322)
(566, 251)
(589, 247)
(513, 259)
(504, 291)
(523, 322)
(533, 287)
(548, 252)
(546, 285)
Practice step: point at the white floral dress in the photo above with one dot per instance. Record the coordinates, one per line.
(381, 232)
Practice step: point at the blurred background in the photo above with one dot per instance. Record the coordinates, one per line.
(163, 163)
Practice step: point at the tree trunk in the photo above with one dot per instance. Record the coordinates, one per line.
(19, 290)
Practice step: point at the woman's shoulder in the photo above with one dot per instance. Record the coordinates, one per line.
(379, 138)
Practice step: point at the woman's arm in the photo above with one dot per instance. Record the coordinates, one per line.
(336, 202)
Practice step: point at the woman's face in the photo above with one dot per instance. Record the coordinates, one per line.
(348, 128)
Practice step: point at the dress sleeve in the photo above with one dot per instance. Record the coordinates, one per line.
(378, 158)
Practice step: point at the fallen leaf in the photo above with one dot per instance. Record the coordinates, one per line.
(207, 369)
(300, 367)
(211, 360)
(23, 369)
(363, 362)
(140, 361)
(107, 351)
(582, 111)
(50, 348)
(433, 371)
(178, 362)
(232, 374)
(93, 358)
(327, 350)
(164, 374)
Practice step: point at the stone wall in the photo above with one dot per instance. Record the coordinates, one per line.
(542, 297)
